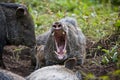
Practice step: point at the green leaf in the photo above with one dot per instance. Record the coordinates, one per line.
(90, 76)
(106, 51)
(117, 72)
(104, 78)
(99, 47)
(117, 24)
(115, 57)
(105, 60)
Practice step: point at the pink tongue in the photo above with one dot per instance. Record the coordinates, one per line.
(60, 52)
(61, 49)
(60, 57)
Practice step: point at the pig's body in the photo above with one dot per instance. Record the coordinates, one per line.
(7, 75)
(56, 72)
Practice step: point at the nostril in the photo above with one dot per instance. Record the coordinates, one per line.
(59, 25)
(54, 26)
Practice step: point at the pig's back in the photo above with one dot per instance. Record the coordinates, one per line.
(55, 72)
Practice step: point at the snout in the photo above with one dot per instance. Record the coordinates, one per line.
(60, 39)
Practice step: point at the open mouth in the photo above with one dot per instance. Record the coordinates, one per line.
(60, 42)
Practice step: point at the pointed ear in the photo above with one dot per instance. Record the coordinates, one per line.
(70, 63)
(21, 11)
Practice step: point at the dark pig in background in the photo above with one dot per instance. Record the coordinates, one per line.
(16, 27)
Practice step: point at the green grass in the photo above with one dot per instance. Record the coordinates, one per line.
(95, 20)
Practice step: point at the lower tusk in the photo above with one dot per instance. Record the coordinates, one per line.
(56, 52)
(65, 51)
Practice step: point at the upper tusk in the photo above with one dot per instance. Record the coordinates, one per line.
(63, 32)
(53, 34)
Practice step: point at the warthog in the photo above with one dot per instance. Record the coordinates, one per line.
(63, 41)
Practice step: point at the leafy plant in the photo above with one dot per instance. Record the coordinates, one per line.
(104, 78)
(90, 76)
(117, 25)
(110, 55)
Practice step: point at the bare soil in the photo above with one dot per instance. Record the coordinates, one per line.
(17, 60)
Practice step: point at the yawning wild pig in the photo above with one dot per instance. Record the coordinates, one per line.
(16, 27)
(56, 72)
(7, 75)
(63, 41)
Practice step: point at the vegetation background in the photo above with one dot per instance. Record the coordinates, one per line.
(95, 17)
(99, 21)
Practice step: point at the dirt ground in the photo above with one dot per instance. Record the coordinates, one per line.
(21, 64)
(17, 60)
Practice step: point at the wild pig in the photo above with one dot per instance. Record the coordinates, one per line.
(16, 27)
(56, 72)
(7, 75)
(63, 41)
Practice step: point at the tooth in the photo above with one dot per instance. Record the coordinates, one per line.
(63, 26)
(63, 32)
(53, 34)
(56, 52)
(65, 51)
